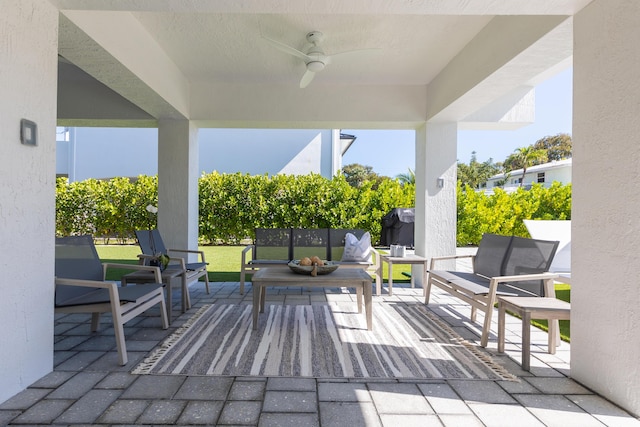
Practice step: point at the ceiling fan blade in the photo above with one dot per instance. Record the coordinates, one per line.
(306, 79)
(287, 49)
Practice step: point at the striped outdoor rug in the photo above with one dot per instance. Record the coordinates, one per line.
(321, 341)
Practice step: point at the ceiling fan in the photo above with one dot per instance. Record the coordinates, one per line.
(312, 54)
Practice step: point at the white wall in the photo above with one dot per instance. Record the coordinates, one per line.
(605, 292)
(562, 175)
(109, 152)
(28, 41)
(259, 151)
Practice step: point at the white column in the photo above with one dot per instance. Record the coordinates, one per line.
(178, 183)
(605, 295)
(435, 226)
(28, 84)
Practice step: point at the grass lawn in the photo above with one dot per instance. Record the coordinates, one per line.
(224, 266)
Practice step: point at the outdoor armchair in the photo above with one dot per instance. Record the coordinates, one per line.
(80, 287)
(502, 266)
(152, 245)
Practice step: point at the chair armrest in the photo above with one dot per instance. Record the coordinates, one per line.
(376, 255)
(85, 283)
(244, 253)
(523, 277)
(111, 287)
(189, 251)
(137, 267)
(547, 278)
(144, 257)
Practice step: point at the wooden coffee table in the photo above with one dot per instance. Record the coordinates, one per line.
(347, 277)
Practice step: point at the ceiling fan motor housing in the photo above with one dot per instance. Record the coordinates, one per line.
(315, 66)
(312, 54)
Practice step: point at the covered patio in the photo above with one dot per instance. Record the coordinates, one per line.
(435, 67)
(89, 387)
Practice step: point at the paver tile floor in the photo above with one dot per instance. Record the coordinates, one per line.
(88, 387)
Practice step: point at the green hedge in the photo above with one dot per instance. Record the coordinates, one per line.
(502, 213)
(233, 205)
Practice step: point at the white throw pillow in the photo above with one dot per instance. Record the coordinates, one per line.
(357, 250)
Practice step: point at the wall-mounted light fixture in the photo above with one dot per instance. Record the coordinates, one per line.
(440, 182)
(28, 132)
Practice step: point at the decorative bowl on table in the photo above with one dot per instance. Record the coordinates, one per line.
(328, 267)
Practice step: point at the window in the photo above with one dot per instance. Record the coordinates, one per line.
(541, 177)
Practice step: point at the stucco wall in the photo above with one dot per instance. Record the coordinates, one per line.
(605, 294)
(28, 41)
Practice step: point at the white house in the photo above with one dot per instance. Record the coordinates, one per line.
(438, 66)
(544, 174)
(83, 152)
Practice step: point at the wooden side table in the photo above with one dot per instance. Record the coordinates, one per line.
(532, 308)
(407, 259)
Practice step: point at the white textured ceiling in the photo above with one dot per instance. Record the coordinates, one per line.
(196, 58)
(229, 47)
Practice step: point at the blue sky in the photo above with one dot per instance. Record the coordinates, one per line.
(391, 152)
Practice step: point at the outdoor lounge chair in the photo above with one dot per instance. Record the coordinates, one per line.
(81, 288)
(502, 266)
(151, 245)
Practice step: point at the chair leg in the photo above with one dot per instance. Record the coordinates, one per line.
(95, 321)
(206, 281)
(163, 312)
(186, 297)
(169, 300)
(554, 335)
(118, 327)
(486, 328)
(242, 278)
(427, 290)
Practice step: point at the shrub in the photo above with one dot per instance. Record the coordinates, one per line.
(503, 213)
(231, 206)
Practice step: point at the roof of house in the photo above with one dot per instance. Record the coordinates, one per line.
(556, 164)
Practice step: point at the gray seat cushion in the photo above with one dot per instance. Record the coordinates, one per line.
(101, 295)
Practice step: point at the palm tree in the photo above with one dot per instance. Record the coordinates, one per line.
(407, 178)
(528, 156)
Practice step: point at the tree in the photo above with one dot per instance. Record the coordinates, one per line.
(475, 174)
(407, 178)
(558, 146)
(356, 175)
(526, 157)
